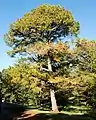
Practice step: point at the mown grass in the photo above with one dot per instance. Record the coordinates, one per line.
(13, 112)
(42, 115)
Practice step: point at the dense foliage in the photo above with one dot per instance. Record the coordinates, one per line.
(25, 83)
(39, 28)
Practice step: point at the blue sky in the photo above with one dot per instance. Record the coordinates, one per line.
(84, 11)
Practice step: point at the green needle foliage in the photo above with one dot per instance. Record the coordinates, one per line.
(39, 27)
(40, 35)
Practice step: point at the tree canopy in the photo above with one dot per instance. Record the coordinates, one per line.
(39, 27)
(40, 35)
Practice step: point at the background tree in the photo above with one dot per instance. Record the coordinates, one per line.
(40, 33)
(20, 82)
(85, 53)
(0, 90)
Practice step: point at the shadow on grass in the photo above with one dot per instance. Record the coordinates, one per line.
(18, 112)
(10, 111)
(58, 116)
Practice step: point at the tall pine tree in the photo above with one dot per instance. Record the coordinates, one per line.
(40, 33)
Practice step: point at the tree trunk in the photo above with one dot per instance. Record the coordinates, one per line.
(53, 101)
(52, 93)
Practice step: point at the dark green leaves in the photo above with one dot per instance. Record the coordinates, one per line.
(46, 23)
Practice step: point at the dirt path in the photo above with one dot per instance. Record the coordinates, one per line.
(26, 115)
(15, 113)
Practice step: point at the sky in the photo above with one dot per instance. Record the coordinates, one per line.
(83, 11)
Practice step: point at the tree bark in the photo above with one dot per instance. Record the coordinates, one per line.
(52, 93)
(53, 101)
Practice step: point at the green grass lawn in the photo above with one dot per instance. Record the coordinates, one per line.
(12, 111)
(46, 115)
